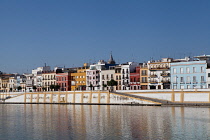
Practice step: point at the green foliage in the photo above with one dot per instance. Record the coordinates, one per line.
(34, 87)
(52, 87)
(112, 83)
(44, 88)
(57, 87)
(104, 85)
(19, 88)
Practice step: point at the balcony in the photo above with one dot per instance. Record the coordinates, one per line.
(153, 81)
(165, 81)
(165, 74)
(159, 68)
(143, 74)
(153, 75)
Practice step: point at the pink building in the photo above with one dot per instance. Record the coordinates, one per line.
(135, 79)
(64, 81)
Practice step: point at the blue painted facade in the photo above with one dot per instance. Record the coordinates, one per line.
(188, 75)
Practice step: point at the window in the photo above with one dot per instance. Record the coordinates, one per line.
(175, 87)
(188, 70)
(188, 79)
(175, 79)
(174, 70)
(202, 69)
(202, 79)
(182, 87)
(194, 79)
(181, 79)
(188, 86)
(181, 70)
(194, 69)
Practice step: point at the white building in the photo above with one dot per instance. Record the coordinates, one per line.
(126, 69)
(105, 76)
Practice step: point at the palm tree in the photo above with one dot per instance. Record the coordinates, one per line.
(112, 83)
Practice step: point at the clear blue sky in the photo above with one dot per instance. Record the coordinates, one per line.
(72, 32)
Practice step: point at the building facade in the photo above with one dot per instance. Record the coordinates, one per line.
(144, 76)
(159, 74)
(188, 75)
(135, 79)
(64, 81)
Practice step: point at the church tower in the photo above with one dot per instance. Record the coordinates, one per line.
(111, 60)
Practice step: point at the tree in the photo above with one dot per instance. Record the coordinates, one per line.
(52, 87)
(34, 88)
(57, 87)
(44, 88)
(19, 88)
(112, 83)
(104, 86)
(91, 86)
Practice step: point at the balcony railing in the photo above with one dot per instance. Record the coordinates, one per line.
(153, 75)
(159, 68)
(143, 74)
(165, 74)
(165, 81)
(153, 81)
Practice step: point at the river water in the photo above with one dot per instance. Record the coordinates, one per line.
(63, 122)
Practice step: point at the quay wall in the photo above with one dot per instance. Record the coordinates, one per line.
(101, 97)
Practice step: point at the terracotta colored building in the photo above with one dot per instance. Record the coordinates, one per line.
(135, 79)
(64, 81)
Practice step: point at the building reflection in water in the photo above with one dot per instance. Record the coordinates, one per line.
(103, 122)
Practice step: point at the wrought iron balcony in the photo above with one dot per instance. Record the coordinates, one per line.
(153, 75)
(166, 81)
(165, 74)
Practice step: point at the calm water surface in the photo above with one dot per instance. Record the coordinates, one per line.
(78, 122)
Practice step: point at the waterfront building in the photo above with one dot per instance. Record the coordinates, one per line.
(49, 78)
(159, 73)
(126, 69)
(78, 78)
(64, 81)
(21, 81)
(117, 77)
(29, 82)
(37, 76)
(190, 75)
(135, 79)
(94, 73)
(92, 78)
(208, 77)
(144, 76)
(12, 83)
(106, 75)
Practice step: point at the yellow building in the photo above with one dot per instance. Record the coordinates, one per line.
(78, 79)
(144, 76)
(117, 77)
(5, 84)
